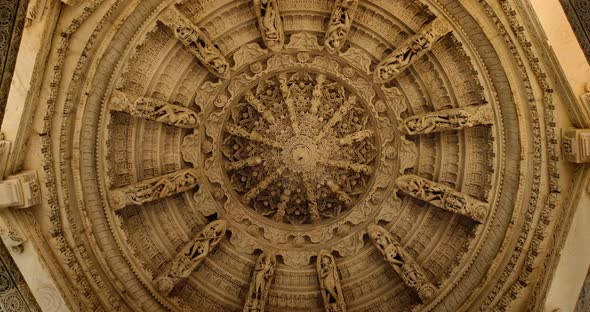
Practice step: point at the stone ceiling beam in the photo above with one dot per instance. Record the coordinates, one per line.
(442, 196)
(153, 189)
(154, 109)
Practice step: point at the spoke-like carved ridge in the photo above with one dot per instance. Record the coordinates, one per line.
(247, 162)
(337, 117)
(262, 278)
(282, 206)
(411, 273)
(448, 119)
(340, 194)
(330, 285)
(356, 137)
(191, 256)
(153, 189)
(270, 23)
(196, 41)
(262, 185)
(153, 109)
(289, 102)
(442, 197)
(410, 50)
(311, 201)
(316, 100)
(253, 135)
(339, 25)
(259, 106)
(349, 165)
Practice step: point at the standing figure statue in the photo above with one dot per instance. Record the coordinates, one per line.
(270, 23)
(339, 25)
(330, 283)
(262, 277)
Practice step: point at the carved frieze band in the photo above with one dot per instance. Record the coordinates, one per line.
(448, 119)
(409, 51)
(196, 41)
(191, 256)
(153, 109)
(411, 273)
(339, 25)
(153, 189)
(270, 23)
(442, 196)
(330, 285)
(262, 278)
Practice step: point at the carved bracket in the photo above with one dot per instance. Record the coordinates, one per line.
(262, 278)
(153, 189)
(442, 196)
(330, 285)
(20, 191)
(448, 119)
(339, 25)
(575, 144)
(153, 109)
(191, 256)
(411, 273)
(270, 23)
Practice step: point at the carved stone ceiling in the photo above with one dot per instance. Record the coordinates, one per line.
(299, 125)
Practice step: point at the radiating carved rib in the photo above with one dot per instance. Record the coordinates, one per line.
(247, 162)
(262, 278)
(330, 285)
(317, 94)
(259, 106)
(262, 185)
(448, 119)
(410, 50)
(191, 256)
(289, 103)
(253, 135)
(153, 189)
(411, 273)
(270, 23)
(341, 195)
(337, 117)
(356, 137)
(153, 109)
(196, 41)
(442, 196)
(282, 206)
(311, 201)
(339, 25)
(349, 165)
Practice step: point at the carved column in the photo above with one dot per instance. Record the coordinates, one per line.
(409, 51)
(330, 285)
(153, 189)
(411, 273)
(270, 23)
(448, 119)
(197, 43)
(262, 278)
(575, 144)
(153, 109)
(442, 196)
(191, 256)
(339, 25)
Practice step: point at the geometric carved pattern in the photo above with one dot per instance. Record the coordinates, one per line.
(15, 295)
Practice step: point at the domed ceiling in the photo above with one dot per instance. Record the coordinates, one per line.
(298, 155)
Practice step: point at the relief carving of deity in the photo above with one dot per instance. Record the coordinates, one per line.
(339, 25)
(262, 277)
(330, 283)
(270, 23)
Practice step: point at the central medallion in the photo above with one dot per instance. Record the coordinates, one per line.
(299, 148)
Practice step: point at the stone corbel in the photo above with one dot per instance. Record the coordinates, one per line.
(20, 191)
(575, 145)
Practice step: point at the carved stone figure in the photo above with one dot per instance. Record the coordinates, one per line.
(270, 23)
(153, 189)
(262, 277)
(191, 256)
(153, 109)
(413, 48)
(196, 41)
(442, 196)
(339, 25)
(411, 273)
(330, 283)
(448, 119)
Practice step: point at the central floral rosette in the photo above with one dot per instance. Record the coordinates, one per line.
(299, 148)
